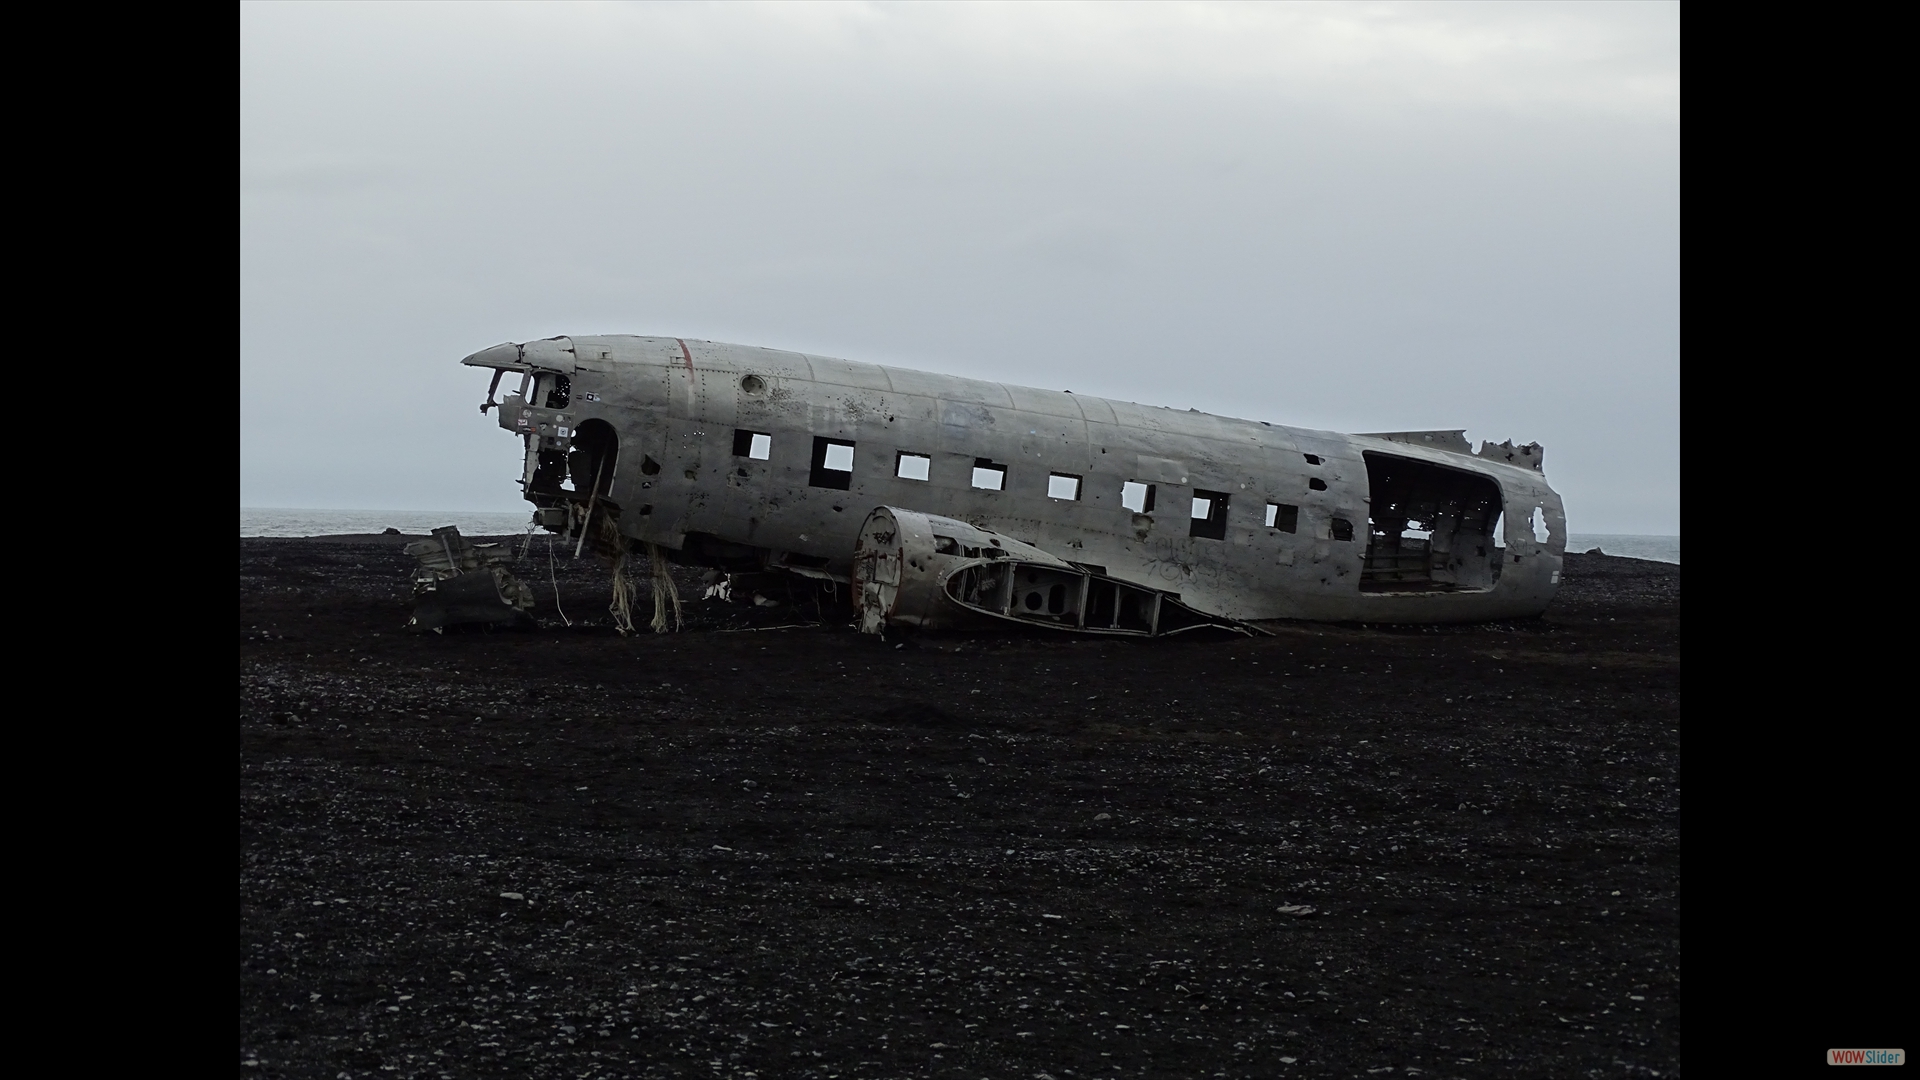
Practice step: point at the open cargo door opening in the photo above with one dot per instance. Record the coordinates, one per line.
(1430, 528)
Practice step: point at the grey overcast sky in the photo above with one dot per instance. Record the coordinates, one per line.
(1355, 216)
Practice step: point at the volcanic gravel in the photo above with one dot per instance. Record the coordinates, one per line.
(804, 852)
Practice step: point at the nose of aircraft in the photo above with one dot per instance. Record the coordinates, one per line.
(498, 356)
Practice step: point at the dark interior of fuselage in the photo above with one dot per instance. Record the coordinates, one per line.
(1430, 528)
(570, 464)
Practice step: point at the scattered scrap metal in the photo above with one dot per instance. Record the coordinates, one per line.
(459, 582)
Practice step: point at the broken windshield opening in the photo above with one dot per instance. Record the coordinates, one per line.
(551, 390)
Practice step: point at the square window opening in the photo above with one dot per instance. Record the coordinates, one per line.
(1209, 515)
(988, 476)
(1137, 497)
(832, 464)
(1283, 517)
(912, 466)
(757, 445)
(1064, 486)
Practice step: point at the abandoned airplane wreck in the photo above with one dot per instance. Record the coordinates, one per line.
(942, 502)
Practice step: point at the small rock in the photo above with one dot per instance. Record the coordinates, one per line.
(1102, 817)
(1298, 910)
(389, 531)
(509, 896)
(1595, 551)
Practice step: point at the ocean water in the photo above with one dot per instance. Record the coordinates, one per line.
(1655, 548)
(279, 521)
(276, 521)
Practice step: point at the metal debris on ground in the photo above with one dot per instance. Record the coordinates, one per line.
(460, 583)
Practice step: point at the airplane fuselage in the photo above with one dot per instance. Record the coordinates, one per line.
(745, 457)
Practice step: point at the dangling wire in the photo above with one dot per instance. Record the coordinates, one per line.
(551, 576)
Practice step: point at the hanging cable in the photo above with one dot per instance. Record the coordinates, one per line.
(551, 576)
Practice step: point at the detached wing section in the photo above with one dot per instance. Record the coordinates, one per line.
(934, 573)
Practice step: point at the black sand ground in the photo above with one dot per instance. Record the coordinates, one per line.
(799, 853)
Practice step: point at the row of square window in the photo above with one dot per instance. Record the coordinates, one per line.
(833, 468)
